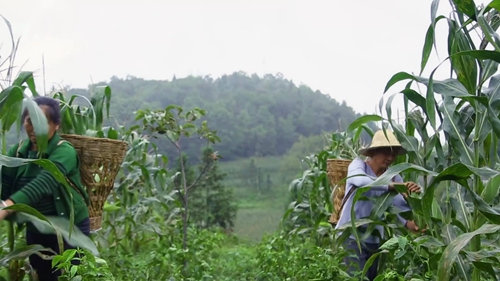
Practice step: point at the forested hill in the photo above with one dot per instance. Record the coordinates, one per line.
(254, 116)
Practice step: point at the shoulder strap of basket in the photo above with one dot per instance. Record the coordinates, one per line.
(19, 148)
(351, 191)
(67, 179)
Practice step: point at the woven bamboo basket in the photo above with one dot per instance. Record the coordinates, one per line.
(337, 171)
(102, 157)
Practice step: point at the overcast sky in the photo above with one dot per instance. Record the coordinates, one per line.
(347, 49)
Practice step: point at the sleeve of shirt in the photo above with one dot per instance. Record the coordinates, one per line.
(65, 159)
(8, 175)
(356, 168)
(400, 203)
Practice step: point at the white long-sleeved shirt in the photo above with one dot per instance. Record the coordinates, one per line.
(362, 209)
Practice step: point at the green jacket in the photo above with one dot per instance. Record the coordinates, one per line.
(34, 186)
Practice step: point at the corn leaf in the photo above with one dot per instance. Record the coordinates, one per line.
(452, 251)
(40, 123)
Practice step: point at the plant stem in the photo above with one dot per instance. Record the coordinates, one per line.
(10, 235)
(185, 197)
(476, 240)
(185, 211)
(10, 225)
(14, 265)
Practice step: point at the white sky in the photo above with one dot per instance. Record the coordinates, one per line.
(347, 49)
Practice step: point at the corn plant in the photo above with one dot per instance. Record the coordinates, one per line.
(310, 205)
(345, 145)
(84, 116)
(7, 61)
(14, 99)
(451, 132)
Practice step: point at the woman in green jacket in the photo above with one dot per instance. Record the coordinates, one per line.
(31, 185)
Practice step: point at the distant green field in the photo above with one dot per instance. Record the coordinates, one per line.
(261, 192)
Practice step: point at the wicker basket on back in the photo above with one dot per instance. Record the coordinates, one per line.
(102, 157)
(337, 171)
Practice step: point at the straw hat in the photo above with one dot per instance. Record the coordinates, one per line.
(380, 140)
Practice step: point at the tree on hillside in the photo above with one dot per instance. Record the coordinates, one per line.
(304, 147)
(250, 174)
(212, 203)
(255, 116)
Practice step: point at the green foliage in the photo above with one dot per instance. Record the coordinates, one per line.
(259, 210)
(145, 233)
(451, 134)
(304, 146)
(88, 120)
(88, 268)
(13, 101)
(176, 127)
(469, 160)
(252, 175)
(282, 257)
(163, 259)
(255, 116)
(213, 204)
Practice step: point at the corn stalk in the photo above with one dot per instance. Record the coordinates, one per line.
(462, 114)
(13, 100)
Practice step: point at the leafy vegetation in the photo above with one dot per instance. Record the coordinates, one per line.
(451, 133)
(254, 116)
(173, 222)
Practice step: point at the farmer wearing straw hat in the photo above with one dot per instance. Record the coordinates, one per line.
(380, 155)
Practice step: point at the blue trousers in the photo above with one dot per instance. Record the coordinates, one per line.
(44, 267)
(358, 261)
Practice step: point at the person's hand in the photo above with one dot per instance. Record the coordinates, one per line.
(412, 187)
(5, 213)
(412, 226)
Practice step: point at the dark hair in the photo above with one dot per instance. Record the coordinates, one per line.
(53, 109)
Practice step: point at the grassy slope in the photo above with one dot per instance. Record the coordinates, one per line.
(259, 211)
